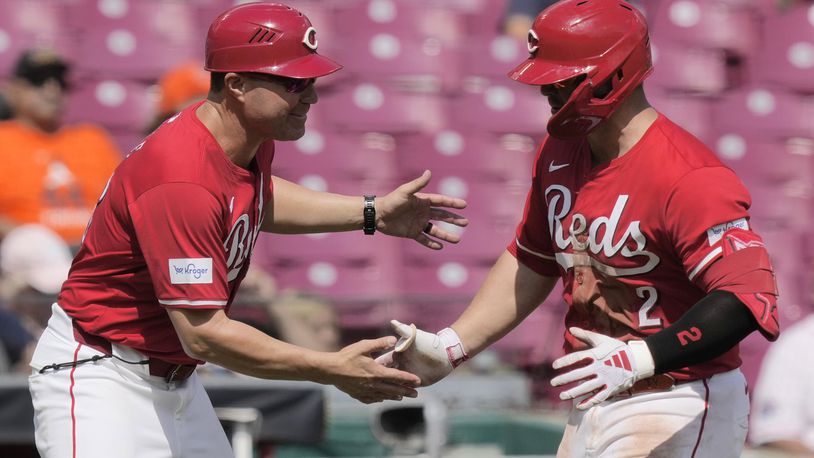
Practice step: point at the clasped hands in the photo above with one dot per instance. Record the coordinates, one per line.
(608, 367)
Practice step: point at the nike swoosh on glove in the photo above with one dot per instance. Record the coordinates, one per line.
(429, 356)
(613, 366)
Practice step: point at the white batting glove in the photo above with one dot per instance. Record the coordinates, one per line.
(429, 356)
(614, 366)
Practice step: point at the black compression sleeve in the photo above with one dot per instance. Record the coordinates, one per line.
(711, 327)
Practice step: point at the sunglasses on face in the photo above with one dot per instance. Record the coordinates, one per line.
(291, 85)
(40, 77)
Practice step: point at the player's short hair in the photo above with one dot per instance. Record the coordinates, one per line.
(216, 81)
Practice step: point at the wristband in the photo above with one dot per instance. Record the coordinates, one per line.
(644, 359)
(369, 216)
(453, 345)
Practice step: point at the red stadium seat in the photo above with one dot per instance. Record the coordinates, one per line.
(679, 68)
(492, 56)
(766, 162)
(368, 106)
(346, 156)
(786, 55)
(478, 156)
(136, 39)
(761, 110)
(705, 24)
(501, 107)
(25, 24)
(113, 103)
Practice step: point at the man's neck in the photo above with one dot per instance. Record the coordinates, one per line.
(37, 127)
(618, 134)
(229, 132)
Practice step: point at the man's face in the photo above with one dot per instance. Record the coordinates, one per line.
(559, 93)
(40, 102)
(277, 107)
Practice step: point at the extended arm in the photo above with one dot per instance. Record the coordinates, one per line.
(509, 294)
(404, 212)
(211, 336)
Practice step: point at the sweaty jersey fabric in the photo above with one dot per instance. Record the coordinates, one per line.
(175, 227)
(631, 238)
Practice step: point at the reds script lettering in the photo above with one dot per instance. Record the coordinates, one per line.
(559, 206)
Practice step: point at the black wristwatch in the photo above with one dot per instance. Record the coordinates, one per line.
(369, 214)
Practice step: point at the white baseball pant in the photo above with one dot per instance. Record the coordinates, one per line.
(702, 419)
(111, 408)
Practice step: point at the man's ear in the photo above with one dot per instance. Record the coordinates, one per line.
(234, 85)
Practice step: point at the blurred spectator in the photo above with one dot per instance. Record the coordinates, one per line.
(34, 261)
(5, 109)
(306, 320)
(178, 89)
(783, 409)
(520, 14)
(257, 291)
(53, 175)
(786, 4)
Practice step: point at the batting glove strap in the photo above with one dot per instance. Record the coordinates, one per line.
(454, 347)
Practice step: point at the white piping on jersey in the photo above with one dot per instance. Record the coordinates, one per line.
(187, 302)
(539, 255)
(707, 259)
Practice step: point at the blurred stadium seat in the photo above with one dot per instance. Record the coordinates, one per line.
(346, 156)
(479, 156)
(705, 24)
(761, 110)
(764, 161)
(376, 107)
(785, 56)
(114, 103)
(502, 106)
(492, 56)
(135, 39)
(679, 68)
(25, 24)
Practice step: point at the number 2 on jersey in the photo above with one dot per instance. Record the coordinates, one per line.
(650, 295)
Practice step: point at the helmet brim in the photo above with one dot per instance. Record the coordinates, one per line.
(539, 73)
(311, 66)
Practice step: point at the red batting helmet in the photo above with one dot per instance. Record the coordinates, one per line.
(605, 40)
(266, 38)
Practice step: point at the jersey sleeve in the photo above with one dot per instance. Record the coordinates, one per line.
(701, 206)
(180, 232)
(709, 223)
(532, 245)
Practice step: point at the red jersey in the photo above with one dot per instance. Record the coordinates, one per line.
(632, 238)
(175, 227)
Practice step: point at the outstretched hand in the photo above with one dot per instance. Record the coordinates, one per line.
(406, 212)
(354, 371)
(429, 356)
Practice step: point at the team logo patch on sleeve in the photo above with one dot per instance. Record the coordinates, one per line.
(190, 271)
(715, 233)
